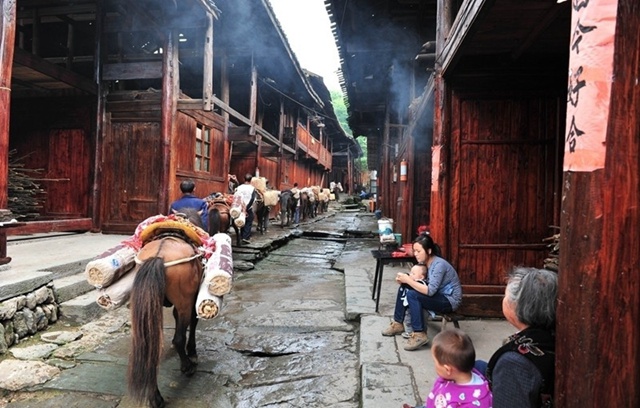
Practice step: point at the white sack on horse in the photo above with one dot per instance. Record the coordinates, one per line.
(237, 207)
(109, 266)
(259, 183)
(326, 191)
(240, 220)
(207, 305)
(218, 271)
(117, 294)
(309, 192)
(218, 276)
(271, 198)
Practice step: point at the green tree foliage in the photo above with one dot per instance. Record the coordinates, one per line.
(340, 109)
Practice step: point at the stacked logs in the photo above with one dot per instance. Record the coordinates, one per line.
(24, 193)
(552, 260)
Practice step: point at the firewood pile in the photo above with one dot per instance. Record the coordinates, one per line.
(5, 215)
(25, 194)
(552, 260)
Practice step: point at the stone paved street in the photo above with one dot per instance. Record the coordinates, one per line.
(297, 330)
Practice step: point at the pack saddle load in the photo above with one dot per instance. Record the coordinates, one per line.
(112, 273)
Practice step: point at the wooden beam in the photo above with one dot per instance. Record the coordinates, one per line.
(38, 227)
(57, 10)
(241, 134)
(54, 71)
(231, 111)
(132, 70)
(461, 31)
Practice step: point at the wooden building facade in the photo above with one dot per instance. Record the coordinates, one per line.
(477, 126)
(118, 102)
(530, 113)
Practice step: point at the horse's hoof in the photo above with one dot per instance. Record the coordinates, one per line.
(158, 401)
(190, 370)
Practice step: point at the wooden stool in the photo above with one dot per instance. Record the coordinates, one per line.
(445, 318)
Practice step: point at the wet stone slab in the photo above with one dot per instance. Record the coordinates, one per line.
(66, 400)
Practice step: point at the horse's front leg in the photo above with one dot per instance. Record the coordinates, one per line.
(187, 366)
(266, 218)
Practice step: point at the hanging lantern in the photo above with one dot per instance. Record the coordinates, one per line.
(403, 170)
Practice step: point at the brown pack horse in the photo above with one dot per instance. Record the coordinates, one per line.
(220, 216)
(170, 275)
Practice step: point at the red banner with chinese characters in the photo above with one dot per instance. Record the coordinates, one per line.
(593, 25)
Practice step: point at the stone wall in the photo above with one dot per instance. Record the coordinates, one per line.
(25, 315)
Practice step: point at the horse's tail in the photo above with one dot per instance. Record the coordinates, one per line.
(214, 221)
(147, 298)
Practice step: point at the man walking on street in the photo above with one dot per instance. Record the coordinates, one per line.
(296, 195)
(247, 192)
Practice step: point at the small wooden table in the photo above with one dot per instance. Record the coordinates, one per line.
(385, 257)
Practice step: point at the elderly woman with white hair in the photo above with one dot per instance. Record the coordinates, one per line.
(521, 372)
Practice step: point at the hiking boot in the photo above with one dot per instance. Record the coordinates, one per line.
(417, 340)
(393, 329)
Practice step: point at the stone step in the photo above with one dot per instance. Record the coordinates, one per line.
(68, 269)
(81, 309)
(15, 282)
(72, 286)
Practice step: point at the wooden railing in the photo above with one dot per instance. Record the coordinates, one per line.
(312, 147)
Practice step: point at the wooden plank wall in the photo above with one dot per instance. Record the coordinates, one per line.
(54, 135)
(505, 182)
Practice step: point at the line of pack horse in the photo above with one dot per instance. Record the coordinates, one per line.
(227, 211)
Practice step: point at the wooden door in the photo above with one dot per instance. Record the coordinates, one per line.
(131, 175)
(506, 156)
(68, 173)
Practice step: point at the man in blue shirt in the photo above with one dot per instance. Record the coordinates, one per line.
(188, 200)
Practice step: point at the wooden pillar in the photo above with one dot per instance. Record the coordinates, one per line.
(445, 20)
(7, 39)
(100, 118)
(170, 91)
(384, 175)
(598, 330)
(224, 82)
(440, 206)
(253, 110)
(224, 95)
(207, 71)
(253, 98)
(281, 170)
